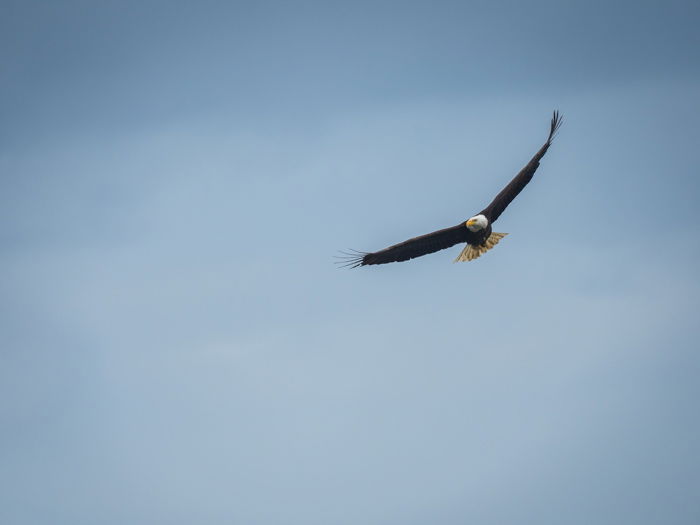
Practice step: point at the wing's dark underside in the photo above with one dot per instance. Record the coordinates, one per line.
(515, 186)
(410, 249)
(441, 239)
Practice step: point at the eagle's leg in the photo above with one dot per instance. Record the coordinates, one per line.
(471, 251)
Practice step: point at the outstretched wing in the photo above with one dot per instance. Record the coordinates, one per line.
(503, 199)
(410, 249)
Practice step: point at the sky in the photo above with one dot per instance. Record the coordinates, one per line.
(177, 345)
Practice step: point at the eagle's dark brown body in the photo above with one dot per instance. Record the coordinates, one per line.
(441, 239)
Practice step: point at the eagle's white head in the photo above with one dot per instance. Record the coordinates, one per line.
(476, 223)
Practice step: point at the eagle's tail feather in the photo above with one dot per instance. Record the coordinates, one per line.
(471, 252)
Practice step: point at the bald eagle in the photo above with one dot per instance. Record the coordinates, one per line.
(476, 231)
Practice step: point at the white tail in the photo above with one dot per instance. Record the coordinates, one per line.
(471, 252)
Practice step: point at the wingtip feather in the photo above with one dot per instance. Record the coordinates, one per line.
(557, 119)
(350, 259)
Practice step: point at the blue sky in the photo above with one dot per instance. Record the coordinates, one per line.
(177, 345)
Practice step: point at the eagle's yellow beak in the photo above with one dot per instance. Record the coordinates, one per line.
(470, 222)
